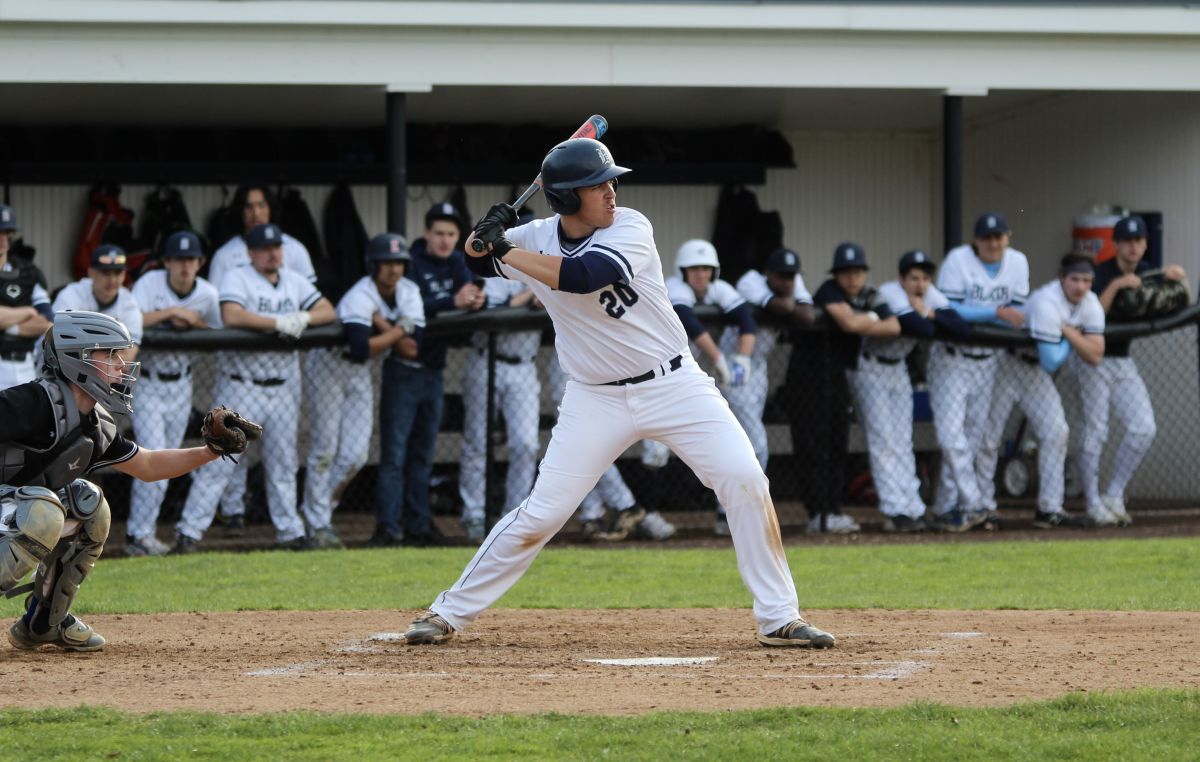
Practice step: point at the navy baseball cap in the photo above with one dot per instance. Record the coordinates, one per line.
(108, 257)
(442, 211)
(8, 220)
(183, 244)
(783, 261)
(1129, 228)
(990, 224)
(916, 258)
(848, 255)
(264, 236)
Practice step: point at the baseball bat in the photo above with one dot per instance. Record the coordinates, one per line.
(594, 128)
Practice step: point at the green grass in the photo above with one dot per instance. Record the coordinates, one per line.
(1147, 724)
(1143, 574)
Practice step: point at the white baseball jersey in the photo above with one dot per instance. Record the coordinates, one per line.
(292, 293)
(892, 294)
(363, 300)
(1048, 311)
(518, 344)
(233, 254)
(153, 292)
(79, 296)
(613, 333)
(964, 278)
(719, 294)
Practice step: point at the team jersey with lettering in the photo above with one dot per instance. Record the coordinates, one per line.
(963, 278)
(154, 293)
(234, 254)
(893, 295)
(363, 300)
(256, 294)
(521, 345)
(1048, 311)
(621, 330)
(79, 296)
(754, 289)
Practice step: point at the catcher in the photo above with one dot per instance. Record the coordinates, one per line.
(52, 432)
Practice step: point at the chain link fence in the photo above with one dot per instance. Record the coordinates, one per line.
(865, 439)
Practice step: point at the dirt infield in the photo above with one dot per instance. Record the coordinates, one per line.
(609, 662)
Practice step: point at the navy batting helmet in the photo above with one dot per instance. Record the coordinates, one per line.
(388, 247)
(576, 163)
(8, 220)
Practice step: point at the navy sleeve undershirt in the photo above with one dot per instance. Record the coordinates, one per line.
(913, 324)
(745, 319)
(484, 267)
(358, 337)
(587, 273)
(691, 324)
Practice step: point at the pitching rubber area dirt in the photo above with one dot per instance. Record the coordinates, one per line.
(603, 662)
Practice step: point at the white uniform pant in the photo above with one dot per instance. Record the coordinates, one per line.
(160, 417)
(276, 407)
(1114, 382)
(747, 403)
(338, 397)
(595, 425)
(1026, 386)
(960, 394)
(517, 391)
(883, 397)
(15, 372)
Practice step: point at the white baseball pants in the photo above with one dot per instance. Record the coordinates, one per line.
(883, 397)
(1114, 383)
(960, 393)
(160, 416)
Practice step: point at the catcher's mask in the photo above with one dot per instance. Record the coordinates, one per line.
(69, 352)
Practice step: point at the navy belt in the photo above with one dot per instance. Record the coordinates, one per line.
(1023, 357)
(14, 356)
(261, 381)
(956, 351)
(673, 365)
(883, 360)
(508, 359)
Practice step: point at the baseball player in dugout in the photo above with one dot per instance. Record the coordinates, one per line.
(594, 267)
(382, 315)
(697, 282)
(54, 431)
(268, 298)
(986, 281)
(1064, 318)
(101, 291)
(818, 387)
(883, 393)
(410, 403)
(25, 312)
(1116, 383)
(172, 299)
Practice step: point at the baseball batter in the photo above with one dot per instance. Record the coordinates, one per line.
(382, 313)
(985, 281)
(595, 268)
(25, 312)
(1063, 315)
(264, 384)
(883, 391)
(517, 391)
(1116, 384)
(175, 299)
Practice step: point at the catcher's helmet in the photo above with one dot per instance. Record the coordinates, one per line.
(697, 253)
(8, 220)
(68, 349)
(388, 247)
(575, 163)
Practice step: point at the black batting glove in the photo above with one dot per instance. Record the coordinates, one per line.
(502, 214)
(491, 233)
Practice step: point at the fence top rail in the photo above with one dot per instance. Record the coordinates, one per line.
(460, 324)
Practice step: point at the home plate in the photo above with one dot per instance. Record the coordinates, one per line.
(656, 661)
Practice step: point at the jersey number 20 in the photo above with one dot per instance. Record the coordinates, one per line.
(622, 291)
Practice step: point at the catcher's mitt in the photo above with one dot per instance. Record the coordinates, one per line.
(226, 433)
(1157, 296)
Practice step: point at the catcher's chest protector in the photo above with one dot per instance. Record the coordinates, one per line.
(72, 450)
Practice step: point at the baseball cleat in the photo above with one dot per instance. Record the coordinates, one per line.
(427, 629)
(72, 634)
(835, 523)
(798, 634)
(1057, 520)
(1115, 505)
(903, 524)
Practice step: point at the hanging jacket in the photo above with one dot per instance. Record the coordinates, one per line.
(345, 245)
